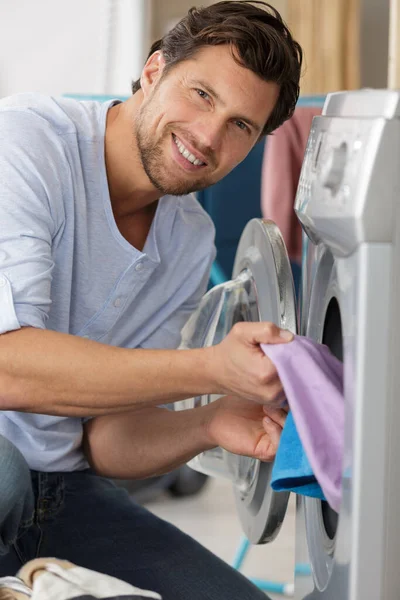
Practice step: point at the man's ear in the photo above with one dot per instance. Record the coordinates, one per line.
(152, 71)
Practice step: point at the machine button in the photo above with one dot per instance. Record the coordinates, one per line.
(334, 170)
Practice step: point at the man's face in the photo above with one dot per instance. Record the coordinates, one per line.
(200, 120)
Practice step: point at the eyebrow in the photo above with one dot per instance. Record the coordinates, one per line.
(210, 90)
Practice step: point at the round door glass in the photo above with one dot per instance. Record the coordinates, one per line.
(261, 289)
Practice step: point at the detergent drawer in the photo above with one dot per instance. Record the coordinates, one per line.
(261, 289)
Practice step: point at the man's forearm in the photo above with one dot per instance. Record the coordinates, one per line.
(59, 374)
(145, 442)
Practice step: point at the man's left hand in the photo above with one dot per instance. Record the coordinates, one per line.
(246, 428)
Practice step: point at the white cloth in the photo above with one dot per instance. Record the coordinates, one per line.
(52, 579)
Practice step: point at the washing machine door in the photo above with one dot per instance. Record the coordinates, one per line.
(261, 290)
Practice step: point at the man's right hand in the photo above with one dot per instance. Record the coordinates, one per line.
(240, 367)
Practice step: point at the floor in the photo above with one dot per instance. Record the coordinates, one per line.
(210, 517)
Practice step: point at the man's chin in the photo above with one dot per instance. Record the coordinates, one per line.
(165, 182)
(179, 188)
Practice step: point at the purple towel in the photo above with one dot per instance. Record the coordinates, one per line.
(313, 382)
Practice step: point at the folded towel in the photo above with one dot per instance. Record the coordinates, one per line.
(311, 447)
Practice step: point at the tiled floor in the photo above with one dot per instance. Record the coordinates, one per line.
(210, 517)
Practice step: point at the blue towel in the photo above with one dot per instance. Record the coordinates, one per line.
(292, 471)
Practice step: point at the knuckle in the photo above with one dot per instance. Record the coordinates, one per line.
(272, 394)
(262, 379)
(270, 453)
(237, 329)
(268, 375)
(270, 329)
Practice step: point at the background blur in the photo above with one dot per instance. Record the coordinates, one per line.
(97, 46)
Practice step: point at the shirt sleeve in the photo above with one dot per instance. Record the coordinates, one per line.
(31, 159)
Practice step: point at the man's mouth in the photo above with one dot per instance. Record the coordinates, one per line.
(192, 158)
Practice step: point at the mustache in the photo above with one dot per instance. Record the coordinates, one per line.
(206, 151)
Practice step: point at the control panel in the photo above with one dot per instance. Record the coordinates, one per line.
(344, 196)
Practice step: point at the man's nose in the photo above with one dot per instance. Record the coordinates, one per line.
(209, 132)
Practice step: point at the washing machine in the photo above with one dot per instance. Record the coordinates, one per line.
(348, 202)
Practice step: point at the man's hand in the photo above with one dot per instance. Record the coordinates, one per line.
(246, 428)
(151, 441)
(240, 366)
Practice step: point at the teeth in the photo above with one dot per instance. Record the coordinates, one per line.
(185, 152)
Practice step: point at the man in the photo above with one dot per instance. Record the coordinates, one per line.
(103, 256)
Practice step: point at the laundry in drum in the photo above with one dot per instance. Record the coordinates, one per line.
(310, 454)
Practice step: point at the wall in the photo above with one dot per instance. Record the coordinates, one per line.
(49, 46)
(56, 46)
(374, 42)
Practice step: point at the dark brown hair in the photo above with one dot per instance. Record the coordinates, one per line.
(261, 40)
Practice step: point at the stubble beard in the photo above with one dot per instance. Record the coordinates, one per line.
(151, 156)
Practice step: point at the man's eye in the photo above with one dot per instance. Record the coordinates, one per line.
(241, 125)
(202, 94)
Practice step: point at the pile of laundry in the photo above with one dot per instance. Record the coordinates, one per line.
(50, 578)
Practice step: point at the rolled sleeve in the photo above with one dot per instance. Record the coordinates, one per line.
(29, 192)
(8, 318)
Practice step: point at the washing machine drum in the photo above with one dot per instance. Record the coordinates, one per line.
(261, 289)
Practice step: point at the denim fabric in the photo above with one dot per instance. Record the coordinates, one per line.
(16, 496)
(89, 521)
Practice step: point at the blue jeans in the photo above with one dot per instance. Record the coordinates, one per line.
(86, 519)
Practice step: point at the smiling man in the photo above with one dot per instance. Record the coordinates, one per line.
(191, 127)
(104, 254)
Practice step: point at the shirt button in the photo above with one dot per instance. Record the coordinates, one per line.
(86, 336)
(2, 282)
(117, 302)
(139, 266)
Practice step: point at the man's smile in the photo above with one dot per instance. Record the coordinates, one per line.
(186, 155)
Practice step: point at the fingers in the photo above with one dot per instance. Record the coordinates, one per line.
(269, 387)
(273, 431)
(273, 422)
(261, 333)
(277, 415)
(240, 366)
(279, 400)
